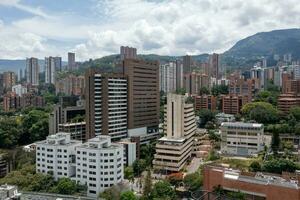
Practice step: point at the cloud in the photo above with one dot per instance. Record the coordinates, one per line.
(167, 27)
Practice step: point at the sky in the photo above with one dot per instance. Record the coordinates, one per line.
(95, 28)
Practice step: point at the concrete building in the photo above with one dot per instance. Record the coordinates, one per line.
(179, 74)
(194, 81)
(243, 139)
(222, 117)
(71, 61)
(259, 185)
(187, 64)
(76, 130)
(19, 89)
(106, 104)
(143, 98)
(99, 164)
(70, 85)
(215, 64)
(9, 192)
(9, 80)
(32, 71)
(56, 155)
(167, 77)
(127, 53)
(205, 102)
(232, 104)
(174, 149)
(52, 64)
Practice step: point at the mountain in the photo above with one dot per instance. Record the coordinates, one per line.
(264, 44)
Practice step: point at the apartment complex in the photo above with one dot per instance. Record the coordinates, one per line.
(11, 101)
(70, 85)
(98, 163)
(143, 97)
(287, 101)
(52, 64)
(194, 81)
(106, 104)
(257, 185)
(205, 102)
(32, 71)
(71, 61)
(242, 139)
(214, 63)
(232, 104)
(167, 77)
(127, 53)
(9, 80)
(174, 149)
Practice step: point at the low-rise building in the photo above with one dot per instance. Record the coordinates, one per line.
(205, 102)
(9, 192)
(243, 139)
(260, 186)
(232, 104)
(222, 117)
(287, 101)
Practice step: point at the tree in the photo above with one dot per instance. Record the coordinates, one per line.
(163, 190)
(65, 186)
(275, 142)
(147, 185)
(128, 173)
(193, 181)
(279, 165)
(219, 89)
(255, 166)
(128, 195)
(139, 166)
(295, 112)
(261, 112)
(181, 91)
(147, 153)
(212, 155)
(10, 131)
(110, 194)
(205, 115)
(204, 90)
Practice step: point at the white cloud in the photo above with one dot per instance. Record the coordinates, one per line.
(173, 27)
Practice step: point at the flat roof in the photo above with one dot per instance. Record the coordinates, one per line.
(241, 124)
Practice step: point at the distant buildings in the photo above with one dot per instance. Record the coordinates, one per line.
(70, 85)
(257, 185)
(52, 64)
(243, 139)
(127, 53)
(187, 64)
(215, 63)
(98, 163)
(12, 101)
(32, 71)
(232, 104)
(71, 61)
(205, 102)
(174, 149)
(19, 89)
(9, 80)
(167, 77)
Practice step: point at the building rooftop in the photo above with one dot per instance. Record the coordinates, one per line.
(241, 124)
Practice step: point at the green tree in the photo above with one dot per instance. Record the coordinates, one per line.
(279, 165)
(128, 174)
(255, 166)
(193, 181)
(65, 186)
(275, 142)
(128, 195)
(204, 90)
(163, 190)
(205, 115)
(147, 153)
(295, 112)
(219, 89)
(181, 91)
(10, 131)
(147, 185)
(111, 193)
(139, 166)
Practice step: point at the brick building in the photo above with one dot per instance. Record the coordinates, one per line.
(287, 101)
(205, 102)
(259, 186)
(232, 104)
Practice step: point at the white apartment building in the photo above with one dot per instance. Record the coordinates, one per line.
(173, 150)
(56, 155)
(99, 164)
(19, 89)
(243, 139)
(167, 77)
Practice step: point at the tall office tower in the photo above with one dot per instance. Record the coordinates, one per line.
(9, 80)
(187, 64)
(173, 150)
(127, 53)
(20, 75)
(50, 69)
(71, 61)
(143, 97)
(1, 84)
(179, 75)
(167, 77)
(57, 63)
(32, 71)
(214, 63)
(106, 104)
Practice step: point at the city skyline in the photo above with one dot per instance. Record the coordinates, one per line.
(93, 29)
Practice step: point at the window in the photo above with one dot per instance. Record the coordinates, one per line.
(92, 191)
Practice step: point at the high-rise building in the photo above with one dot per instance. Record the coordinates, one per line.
(50, 70)
(127, 53)
(187, 64)
(143, 97)
(242, 139)
(71, 61)
(32, 71)
(9, 80)
(20, 74)
(174, 149)
(214, 63)
(179, 75)
(167, 77)
(106, 104)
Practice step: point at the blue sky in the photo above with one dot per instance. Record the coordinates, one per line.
(95, 28)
